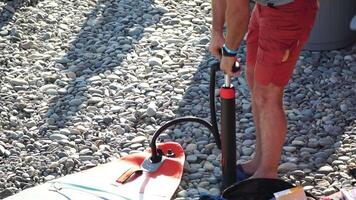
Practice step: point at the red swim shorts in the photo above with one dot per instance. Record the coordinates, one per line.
(275, 38)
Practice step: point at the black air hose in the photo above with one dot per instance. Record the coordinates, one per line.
(213, 128)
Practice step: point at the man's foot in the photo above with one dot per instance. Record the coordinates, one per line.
(265, 174)
(249, 167)
(241, 173)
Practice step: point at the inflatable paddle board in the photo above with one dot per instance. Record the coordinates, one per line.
(128, 178)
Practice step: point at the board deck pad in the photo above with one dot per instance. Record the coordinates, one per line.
(102, 183)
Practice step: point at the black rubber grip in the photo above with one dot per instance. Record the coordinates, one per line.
(235, 68)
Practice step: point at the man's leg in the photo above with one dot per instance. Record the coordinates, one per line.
(272, 123)
(251, 166)
(252, 46)
(278, 51)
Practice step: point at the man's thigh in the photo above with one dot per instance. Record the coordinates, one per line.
(252, 46)
(274, 49)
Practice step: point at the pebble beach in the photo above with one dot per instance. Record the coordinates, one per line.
(85, 82)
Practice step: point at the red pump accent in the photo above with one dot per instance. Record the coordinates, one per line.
(227, 93)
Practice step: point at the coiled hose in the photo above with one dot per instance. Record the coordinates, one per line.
(212, 126)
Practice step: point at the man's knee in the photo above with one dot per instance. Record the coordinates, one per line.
(269, 95)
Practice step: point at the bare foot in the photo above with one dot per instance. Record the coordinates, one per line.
(264, 174)
(249, 167)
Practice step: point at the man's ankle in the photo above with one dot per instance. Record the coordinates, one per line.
(249, 167)
(265, 174)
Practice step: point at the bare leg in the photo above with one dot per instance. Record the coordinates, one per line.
(251, 166)
(272, 130)
(252, 48)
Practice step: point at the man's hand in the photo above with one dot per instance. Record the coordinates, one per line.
(236, 13)
(216, 43)
(226, 65)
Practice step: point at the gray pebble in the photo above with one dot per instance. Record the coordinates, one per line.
(325, 169)
(250, 130)
(18, 82)
(192, 192)
(94, 100)
(285, 167)
(290, 148)
(182, 193)
(151, 110)
(139, 139)
(155, 61)
(328, 141)
(208, 166)
(2, 150)
(214, 191)
(192, 158)
(58, 136)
